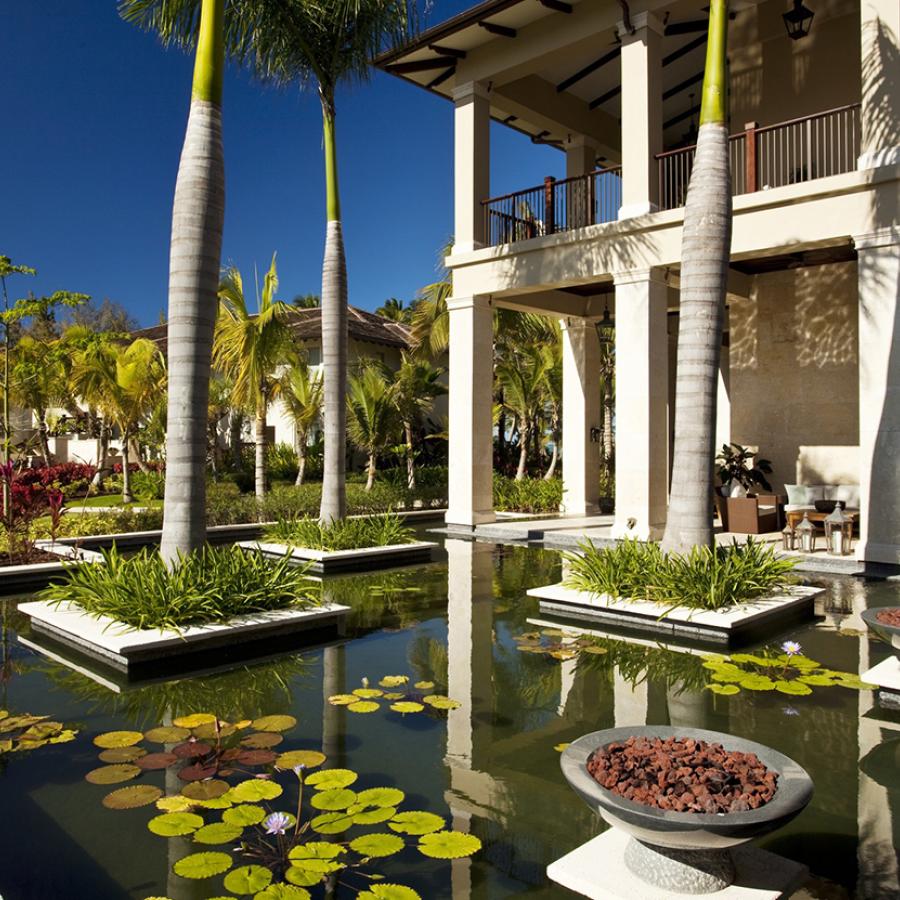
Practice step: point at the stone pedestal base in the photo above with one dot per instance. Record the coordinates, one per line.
(886, 675)
(598, 870)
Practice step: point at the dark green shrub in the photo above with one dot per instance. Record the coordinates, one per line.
(281, 462)
(148, 485)
(226, 505)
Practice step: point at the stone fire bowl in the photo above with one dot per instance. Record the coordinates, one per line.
(887, 633)
(688, 831)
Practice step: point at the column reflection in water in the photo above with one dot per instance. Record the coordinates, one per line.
(333, 717)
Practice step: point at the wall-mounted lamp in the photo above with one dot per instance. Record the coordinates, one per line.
(606, 327)
(595, 435)
(798, 20)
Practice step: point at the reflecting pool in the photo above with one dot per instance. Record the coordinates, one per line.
(490, 766)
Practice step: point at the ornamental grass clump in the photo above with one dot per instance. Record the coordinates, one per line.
(705, 578)
(342, 534)
(211, 585)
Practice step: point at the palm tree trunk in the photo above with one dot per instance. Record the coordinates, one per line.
(126, 470)
(260, 462)
(370, 472)
(236, 425)
(198, 217)
(523, 450)
(301, 463)
(554, 459)
(102, 456)
(334, 335)
(138, 456)
(43, 437)
(410, 461)
(706, 242)
(607, 430)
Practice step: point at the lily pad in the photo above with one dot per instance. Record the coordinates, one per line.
(198, 771)
(132, 797)
(121, 754)
(448, 845)
(248, 879)
(283, 892)
(112, 774)
(794, 688)
(194, 720)
(390, 681)
(313, 850)
(118, 739)
(219, 833)
(244, 815)
(202, 865)
(334, 799)
(153, 761)
(377, 845)
(167, 734)
(257, 757)
(363, 706)
(342, 699)
(394, 695)
(328, 779)
(424, 685)
(262, 740)
(724, 689)
(389, 892)
(408, 706)
(173, 824)
(254, 790)
(273, 723)
(372, 816)
(757, 683)
(332, 823)
(380, 796)
(368, 693)
(308, 758)
(438, 701)
(300, 876)
(416, 822)
(175, 804)
(816, 680)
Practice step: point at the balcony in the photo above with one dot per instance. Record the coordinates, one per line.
(791, 152)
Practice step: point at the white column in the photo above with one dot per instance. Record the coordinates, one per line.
(879, 35)
(472, 164)
(581, 155)
(641, 113)
(642, 349)
(470, 415)
(878, 273)
(580, 413)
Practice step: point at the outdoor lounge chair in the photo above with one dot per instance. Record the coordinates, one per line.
(749, 515)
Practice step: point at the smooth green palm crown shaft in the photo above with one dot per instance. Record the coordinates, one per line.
(713, 104)
(209, 63)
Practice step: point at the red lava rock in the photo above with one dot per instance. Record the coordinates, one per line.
(890, 617)
(683, 775)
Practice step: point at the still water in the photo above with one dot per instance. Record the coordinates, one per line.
(490, 767)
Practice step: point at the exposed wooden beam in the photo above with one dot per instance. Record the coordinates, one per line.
(501, 30)
(539, 138)
(422, 65)
(447, 51)
(509, 119)
(556, 5)
(599, 101)
(683, 51)
(678, 88)
(440, 79)
(682, 116)
(566, 83)
(687, 27)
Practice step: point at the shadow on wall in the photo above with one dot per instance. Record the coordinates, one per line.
(826, 328)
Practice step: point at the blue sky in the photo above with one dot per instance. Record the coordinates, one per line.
(94, 116)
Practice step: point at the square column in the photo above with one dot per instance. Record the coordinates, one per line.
(581, 156)
(879, 35)
(471, 451)
(471, 164)
(641, 114)
(878, 271)
(580, 414)
(642, 349)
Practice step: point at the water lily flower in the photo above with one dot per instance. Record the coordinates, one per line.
(299, 770)
(277, 823)
(791, 648)
(790, 711)
(365, 681)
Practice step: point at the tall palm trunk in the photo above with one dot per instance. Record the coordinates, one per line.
(126, 469)
(410, 459)
(235, 425)
(334, 334)
(43, 437)
(300, 448)
(138, 456)
(260, 444)
(102, 456)
(554, 459)
(706, 242)
(370, 472)
(524, 429)
(198, 216)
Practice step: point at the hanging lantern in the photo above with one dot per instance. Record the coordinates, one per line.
(798, 20)
(806, 535)
(835, 538)
(606, 327)
(787, 538)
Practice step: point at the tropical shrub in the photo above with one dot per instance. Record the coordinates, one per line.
(531, 495)
(119, 521)
(211, 585)
(226, 505)
(149, 485)
(342, 534)
(281, 462)
(705, 578)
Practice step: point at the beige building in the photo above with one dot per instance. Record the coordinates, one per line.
(811, 357)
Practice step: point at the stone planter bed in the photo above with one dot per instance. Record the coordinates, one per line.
(880, 621)
(328, 561)
(31, 576)
(743, 622)
(125, 648)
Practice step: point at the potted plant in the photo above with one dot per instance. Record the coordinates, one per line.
(738, 466)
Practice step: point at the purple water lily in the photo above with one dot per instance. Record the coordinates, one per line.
(791, 648)
(277, 823)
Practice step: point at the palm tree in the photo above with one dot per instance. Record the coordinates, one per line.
(302, 392)
(198, 216)
(394, 310)
(553, 388)
(416, 384)
(326, 44)
(372, 414)
(706, 242)
(249, 348)
(429, 320)
(35, 383)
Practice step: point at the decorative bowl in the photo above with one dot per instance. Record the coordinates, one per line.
(890, 634)
(828, 506)
(688, 831)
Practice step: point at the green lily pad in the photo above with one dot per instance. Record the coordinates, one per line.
(342, 699)
(121, 754)
(194, 720)
(757, 683)
(262, 740)
(307, 758)
(376, 845)
(118, 739)
(391, 681)
(380, 796)
(329, 779)
(816, 680)
(389, 892)
(174, 824)
(334, 799)
(724, 689)
(244, 815)
(247, 879)
(372, 816)
(206, 790)
(794, 688)
(132, 797)
(168, 734)
(273, 723)
(448, 845)
(300, 876)
(416, 822)
(438, 701)
(313, 850)
(255, 789)
(368, 693)
(202, 865)
(219, 833)
(283, 892)
(424, 685)
(332, 823)
(407, 706)
(364, 706)
(113, 774)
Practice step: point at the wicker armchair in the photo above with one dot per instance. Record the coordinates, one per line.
(750, 515)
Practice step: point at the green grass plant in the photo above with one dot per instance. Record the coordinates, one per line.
(705, 578)
(212, 585)
(531, 495)
(344, 534)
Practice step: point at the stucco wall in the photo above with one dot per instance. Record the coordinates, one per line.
(794, 373)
